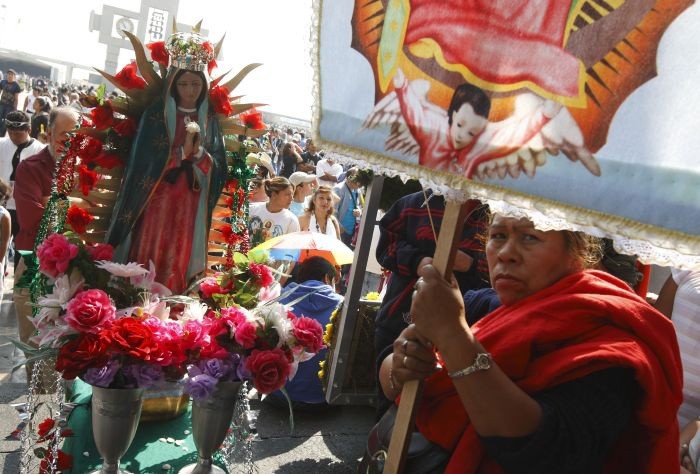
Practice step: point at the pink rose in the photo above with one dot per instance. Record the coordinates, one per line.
(100, 252)
(270, 369)
(233, 316)
(309, 333)
(195, 335)
(261, 273)
(90, 311)
(246, 334)
(210, 286)
(55, 254)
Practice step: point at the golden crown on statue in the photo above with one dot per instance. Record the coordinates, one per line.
(189, 51)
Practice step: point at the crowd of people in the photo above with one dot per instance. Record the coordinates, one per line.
(547, 360)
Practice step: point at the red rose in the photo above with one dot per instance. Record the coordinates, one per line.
(309, 333)
(126, 127)
(100, 252)
(45, 426)
(90, 311)
(128, 79)
(55, 254)
(262, 274)
(78, 218)
(85, 351)
(88, 179)
(92, 147)
(270, 369)
(108, 161)
(252, 119)
(158, 53)
(220, 101)
(102, 116)
(132, 337)
(246, 335)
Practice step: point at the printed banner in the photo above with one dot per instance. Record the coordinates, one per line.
(584, 113)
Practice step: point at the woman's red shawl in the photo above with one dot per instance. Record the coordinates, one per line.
(584, 323)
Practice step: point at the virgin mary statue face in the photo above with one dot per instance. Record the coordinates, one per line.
(189, 87)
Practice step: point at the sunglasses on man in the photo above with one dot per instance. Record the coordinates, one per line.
(16, 125)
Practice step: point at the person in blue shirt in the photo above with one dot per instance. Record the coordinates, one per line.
(348, 207)
(315, 281)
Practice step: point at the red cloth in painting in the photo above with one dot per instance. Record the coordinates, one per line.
(501, 41)
(165, 230)
(586, 322)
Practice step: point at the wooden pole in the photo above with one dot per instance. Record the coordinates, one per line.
(446, 249)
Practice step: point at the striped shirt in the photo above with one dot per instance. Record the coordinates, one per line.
(686, 318)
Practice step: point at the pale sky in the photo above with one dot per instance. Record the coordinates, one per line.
(272, 32)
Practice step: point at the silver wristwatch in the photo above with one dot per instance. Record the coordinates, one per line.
(481, 362)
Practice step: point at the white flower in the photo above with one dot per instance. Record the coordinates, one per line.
(147, 282)
(63, 290)
(192, 127)
(50, 335)
(127, 270)
(194, 311)
(275, 315)
(158, 309)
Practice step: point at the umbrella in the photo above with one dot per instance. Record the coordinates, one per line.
(299, 246)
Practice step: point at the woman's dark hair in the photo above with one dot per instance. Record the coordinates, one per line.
(317, 191)
(202, 94)
(288, 150)
(44, 103)
(472, 95)
(276, 185)
(315, 268)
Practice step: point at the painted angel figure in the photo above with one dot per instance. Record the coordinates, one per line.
(463, 140)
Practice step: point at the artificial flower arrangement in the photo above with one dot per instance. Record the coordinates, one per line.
(252, 335)
(114, 326)
(108, 323)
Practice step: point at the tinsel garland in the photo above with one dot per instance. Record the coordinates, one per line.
(237, 185)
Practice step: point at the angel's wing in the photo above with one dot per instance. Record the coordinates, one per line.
(388, 112)
(520, 143)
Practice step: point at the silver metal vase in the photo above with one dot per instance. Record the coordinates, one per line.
(211, 419)
(115, 417)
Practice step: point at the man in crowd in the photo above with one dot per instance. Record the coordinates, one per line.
(328, 172)
(29, 100)
(315, 283)
(32, 192)
(310, 157)
(15, 148)
(406, 243)
(33, 177)
(9, 96)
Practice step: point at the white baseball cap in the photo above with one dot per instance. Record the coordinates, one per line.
(299, 177)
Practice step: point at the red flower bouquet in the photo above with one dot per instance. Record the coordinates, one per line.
(247, 339)
(109, 323)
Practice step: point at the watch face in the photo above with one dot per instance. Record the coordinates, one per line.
(483, 361)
